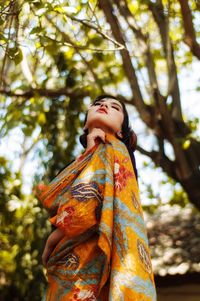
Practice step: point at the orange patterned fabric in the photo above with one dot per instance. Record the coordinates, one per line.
(104, 254)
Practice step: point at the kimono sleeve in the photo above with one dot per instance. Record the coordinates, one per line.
(81, 205)
(79, 209)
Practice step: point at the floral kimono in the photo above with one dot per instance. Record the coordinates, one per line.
(104, 254)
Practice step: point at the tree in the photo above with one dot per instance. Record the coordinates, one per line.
(79, 54)
(165, 120)
(54, 59)
(23, 229)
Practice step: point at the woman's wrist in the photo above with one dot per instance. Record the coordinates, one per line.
(90, 141)
(54, 237)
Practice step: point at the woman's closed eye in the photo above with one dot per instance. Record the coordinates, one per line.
(116, 108)
(97, 103)
(113, 106)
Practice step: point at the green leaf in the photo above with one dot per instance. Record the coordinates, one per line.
(12, 52)
(65, 9)
(18, 57)
(38, 4)
(96, 41)
(27, 131)
(2, 37)
(1, 20)
(41, 118)
(35, 30)
(50, 48)
(186, 144)
(15, 54)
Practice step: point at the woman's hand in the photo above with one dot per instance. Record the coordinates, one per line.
(52, 240)
(93, 137)
(46, 253)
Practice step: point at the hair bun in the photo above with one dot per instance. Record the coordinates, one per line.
(131, 140)
(83, 138)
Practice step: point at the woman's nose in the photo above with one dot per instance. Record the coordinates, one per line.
(104, 104)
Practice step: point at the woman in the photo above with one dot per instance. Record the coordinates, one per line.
(99, 250)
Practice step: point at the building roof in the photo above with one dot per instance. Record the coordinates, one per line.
(174, 237)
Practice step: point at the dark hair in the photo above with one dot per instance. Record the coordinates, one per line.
(129, 137)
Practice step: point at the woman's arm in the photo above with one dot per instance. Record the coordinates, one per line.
(52, 240)
(76, 217)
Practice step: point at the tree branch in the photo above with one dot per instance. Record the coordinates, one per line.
(190, 36)
(9, 22)
(173, 86)
(160, 160)
(167, 125)
(107, 8)
(143, 41)
(45, 92)
(66, 38)
(87, 23)
(25, 151)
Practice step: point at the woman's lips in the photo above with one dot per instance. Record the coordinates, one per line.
(102, 111)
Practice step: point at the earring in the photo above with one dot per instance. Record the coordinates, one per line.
(119, 134)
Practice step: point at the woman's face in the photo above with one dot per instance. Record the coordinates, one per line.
(106, 114)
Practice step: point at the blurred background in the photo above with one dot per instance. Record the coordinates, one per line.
(55, 58)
